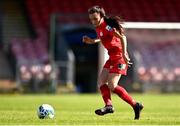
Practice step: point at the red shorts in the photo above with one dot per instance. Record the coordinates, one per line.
(116, 66)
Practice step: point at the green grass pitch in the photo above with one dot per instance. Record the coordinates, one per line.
(78, 109)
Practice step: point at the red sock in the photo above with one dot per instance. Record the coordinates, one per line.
(122, 93)
(106, 94)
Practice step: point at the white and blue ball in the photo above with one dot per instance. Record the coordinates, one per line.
(45, 111)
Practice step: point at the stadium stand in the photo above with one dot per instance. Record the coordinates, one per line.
(139, 10)
(158, 60)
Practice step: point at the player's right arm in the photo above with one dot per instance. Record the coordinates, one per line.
(89, 40)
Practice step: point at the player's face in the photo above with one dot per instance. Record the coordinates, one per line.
(95, 19)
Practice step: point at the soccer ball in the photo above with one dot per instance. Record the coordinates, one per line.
(45, 111)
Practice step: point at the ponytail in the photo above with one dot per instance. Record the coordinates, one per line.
(114, 22)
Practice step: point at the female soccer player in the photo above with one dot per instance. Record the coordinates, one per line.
(110, 33)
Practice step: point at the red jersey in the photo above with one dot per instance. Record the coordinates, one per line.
(110, 42)
(115, 63)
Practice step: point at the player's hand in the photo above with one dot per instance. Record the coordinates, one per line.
(87, 40)
(127, 60)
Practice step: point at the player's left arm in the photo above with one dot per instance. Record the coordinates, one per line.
(124, 44)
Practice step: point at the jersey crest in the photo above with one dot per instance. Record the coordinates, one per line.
(108, 28)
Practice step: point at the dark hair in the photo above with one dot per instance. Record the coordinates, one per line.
(113, 21)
